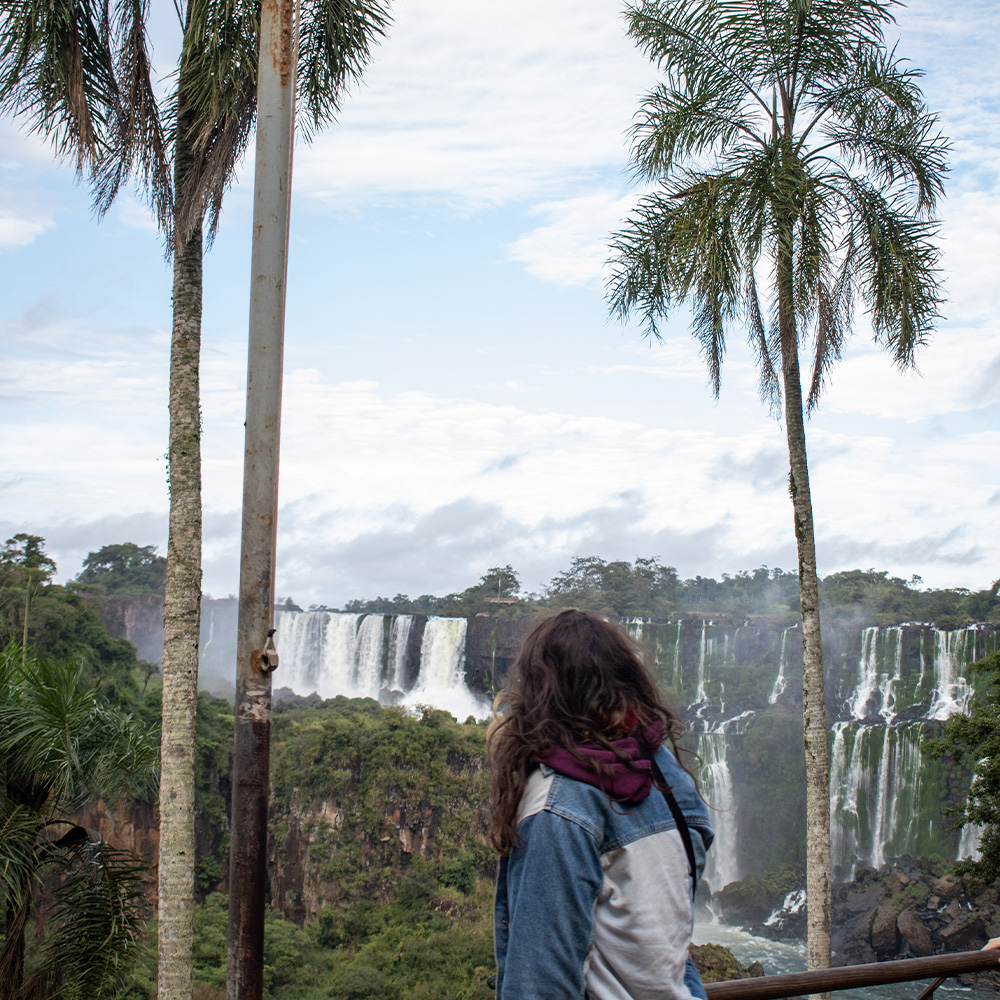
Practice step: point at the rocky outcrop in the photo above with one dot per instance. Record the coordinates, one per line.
(909, 909)
(717, 964)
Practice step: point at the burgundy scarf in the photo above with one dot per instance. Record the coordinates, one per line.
(617, 780)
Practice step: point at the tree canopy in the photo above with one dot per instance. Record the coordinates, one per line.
(23, 559)
(125, 569)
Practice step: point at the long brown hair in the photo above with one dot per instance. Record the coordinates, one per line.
(577, 679)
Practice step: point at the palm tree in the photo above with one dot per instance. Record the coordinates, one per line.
(785, 141)
(79, 72)
(62, 745)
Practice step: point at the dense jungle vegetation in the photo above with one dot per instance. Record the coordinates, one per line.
(647, 589)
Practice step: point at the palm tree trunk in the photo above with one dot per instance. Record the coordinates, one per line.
(182, 608)
(813, 697)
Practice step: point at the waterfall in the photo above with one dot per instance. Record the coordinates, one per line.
(969, 843)
(971, 837)
(717, 788)
(875, 793)
(362, 655)
(876, 684)
(952, 692)
(368, 656)
(701, 697)
(316, 651)
(441, 681)
(779, 682)
(399, 640)
(334, 661)
(677, 660)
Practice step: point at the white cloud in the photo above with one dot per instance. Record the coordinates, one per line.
(970, 239)
(18, 229)
(135, 214)
(481, 104)
(572, 249)
(413, 491)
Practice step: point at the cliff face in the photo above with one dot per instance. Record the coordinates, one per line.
(361, 797)
(138, 618)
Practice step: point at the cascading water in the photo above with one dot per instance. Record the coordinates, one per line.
(368, 655)
(884, 800)
(952, 692)
(399, 640)
(970, 838)
(317, 651)
(716, 784)
(678, 675)
(875, 691)
(968, 844)
(441, 681)
(707, 645)
(876, 794)
(779, 682)
(333, 653)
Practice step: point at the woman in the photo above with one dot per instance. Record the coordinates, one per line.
(598, 866)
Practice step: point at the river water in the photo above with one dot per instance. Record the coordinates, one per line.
(788, 956)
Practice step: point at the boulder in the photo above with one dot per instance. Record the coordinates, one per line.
(864, 874)
(884, 933)
(988, 897)
(897, 881)
(914, 933)
(966, 933)
(851, 940)
(947, 888)
(717, 964)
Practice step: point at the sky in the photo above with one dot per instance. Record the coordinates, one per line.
(455, 394)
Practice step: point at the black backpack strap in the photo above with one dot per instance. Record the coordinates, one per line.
(682, 827)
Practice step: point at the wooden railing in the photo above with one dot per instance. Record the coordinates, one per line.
(850, 977)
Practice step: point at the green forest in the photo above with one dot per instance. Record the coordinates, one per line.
(646, 588)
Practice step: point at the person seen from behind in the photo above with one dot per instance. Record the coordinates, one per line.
(601, 832)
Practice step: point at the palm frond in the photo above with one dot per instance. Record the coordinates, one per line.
(682, 244)
(672, 125)
(896, 263)
(137, 143)
(94, 927)
(124, 759)
(895, 150)
(687, 39)
(61, 745)
(39, 732)
(796, 116)
(769, 384)
(57, 72)
(336, 41)
(826, 37)
(213, 108)
(18, 835)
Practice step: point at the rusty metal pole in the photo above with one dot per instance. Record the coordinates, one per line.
(255, 653)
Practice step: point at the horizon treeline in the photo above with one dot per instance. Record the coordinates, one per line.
(647, 589)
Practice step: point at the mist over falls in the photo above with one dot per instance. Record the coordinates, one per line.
(739, 690)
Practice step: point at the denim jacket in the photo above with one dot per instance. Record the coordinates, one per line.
(597, 900)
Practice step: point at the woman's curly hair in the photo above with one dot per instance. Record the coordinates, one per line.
(577, 679)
